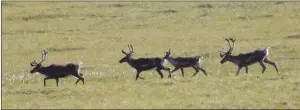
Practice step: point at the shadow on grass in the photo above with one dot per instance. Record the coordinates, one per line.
(64, 49)
(296, 36)
(31, 92)
(206, 55)
(43, 16)
(169, 83)
(11, 4)
(220, 6)
(168, 11)
(87, 68)
(205, 6)
(280, 2)
(112, 5)
(244, 18)
(254, 17)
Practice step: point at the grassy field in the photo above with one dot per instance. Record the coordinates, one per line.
(94, 33)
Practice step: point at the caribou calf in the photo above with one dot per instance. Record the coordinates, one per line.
(184, 62)
(56, 71)
(246, 59)
(143, 64)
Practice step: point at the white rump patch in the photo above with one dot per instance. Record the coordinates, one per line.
(165, 61)
(267, 53)
(199, 61)
(78, 70)
(79, 63)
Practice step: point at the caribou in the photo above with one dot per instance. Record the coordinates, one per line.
(246, 59)
(184, 62)
(144, 64)
(55, 71)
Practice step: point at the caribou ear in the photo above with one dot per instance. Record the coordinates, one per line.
(221, 55)
(31, 64)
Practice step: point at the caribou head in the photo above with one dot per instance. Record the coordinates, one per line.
(225, 55)
(127, 55)
(38, 66)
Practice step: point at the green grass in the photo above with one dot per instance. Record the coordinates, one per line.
(96, 32)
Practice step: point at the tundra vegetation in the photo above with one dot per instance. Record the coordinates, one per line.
(94, 33)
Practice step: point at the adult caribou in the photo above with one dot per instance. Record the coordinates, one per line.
(55, 71)
(143, 64)
(184, 62)
(246, 59)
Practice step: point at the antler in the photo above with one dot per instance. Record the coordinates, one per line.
(228, 44)
(232, 40)
(44, 55)
(130, 48)
(169, 52)
(228, 41)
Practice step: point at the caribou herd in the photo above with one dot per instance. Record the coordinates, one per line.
(55, 71)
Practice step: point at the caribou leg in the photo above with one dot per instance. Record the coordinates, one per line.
(201, 69)
(239, 70)
(162, 67)
(167, 69)
(196, 69)
(182, 72)
(175, 69)
(246, 67)
(57, 80)
(160, 73)
(271, 63)
(263, 66)
(204, 72)
(79, 78)
(137, 74)
(45, 80)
